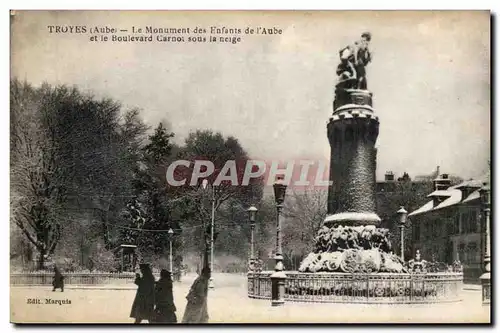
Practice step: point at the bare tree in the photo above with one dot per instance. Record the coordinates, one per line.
(304, 214)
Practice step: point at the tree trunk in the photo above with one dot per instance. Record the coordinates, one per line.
(41, 259)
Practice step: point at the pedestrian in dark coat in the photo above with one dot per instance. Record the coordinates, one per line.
(58, 280)
(164, 307)
(144, 302)
(196, 308)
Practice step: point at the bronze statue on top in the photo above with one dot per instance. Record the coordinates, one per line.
(352, 85)
(353, 60)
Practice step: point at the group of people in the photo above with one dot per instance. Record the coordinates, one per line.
(154, 301)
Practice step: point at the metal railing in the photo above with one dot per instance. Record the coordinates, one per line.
(74, 278)
(361, 288)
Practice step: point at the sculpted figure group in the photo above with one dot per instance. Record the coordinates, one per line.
(352, 249)
(353, 60)
(340, 238)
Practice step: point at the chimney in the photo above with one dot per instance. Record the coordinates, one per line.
(389, 176)
(442, 182)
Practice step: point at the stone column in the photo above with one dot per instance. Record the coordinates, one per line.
(352, 132)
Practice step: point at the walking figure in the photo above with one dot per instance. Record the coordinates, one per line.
(58, 280)
(164, 298)
(144, 302)
(196, 308)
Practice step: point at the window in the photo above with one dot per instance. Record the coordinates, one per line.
(477, 220)
(417, 232)
(449, 227)
(479, 225)
(469, 221)
(463, 219)
(434, 230)
(456, 229)
(438, 229)
(471, 253)
(461, 252)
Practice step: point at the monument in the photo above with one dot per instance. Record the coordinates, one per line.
(349, 240)
(352, 133)
(352, 259)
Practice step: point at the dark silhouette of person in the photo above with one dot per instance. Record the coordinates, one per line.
(58, 280)
(196, 308)
(144, 302)
(164, 299)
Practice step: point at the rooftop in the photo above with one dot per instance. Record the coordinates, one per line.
(476, 183)
(473, 196)
(440, 193)
(453, 196)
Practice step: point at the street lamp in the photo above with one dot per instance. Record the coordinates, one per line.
(403, 214)
(484, 194)
(211, 281)
(170, 237)
(279, 276)
(252, 211)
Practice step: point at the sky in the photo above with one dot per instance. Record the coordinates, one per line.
(430, 79)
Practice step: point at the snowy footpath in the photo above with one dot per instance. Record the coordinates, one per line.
(228, 303)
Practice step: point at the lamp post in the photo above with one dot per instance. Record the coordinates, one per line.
(484, 193)
(403, 214)
(170, 237)
(252, 211)
(279, 276)
(211, 281)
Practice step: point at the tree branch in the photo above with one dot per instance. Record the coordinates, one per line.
(29, 236)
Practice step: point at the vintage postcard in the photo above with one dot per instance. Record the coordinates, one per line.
(173, 167)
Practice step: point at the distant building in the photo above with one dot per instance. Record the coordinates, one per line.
(389, 184)
(394, 192)
(449, 225)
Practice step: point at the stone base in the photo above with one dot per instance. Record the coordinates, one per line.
(352, 96)
(352, 219)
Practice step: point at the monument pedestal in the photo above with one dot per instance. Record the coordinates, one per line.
(352, 219)
(352, 132)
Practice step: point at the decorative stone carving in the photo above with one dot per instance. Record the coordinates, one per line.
(255, 265)
(360, 249)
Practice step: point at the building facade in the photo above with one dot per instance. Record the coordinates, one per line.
(394, 192)
(450, 227)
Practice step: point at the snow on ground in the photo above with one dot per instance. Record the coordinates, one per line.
(228, 303)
